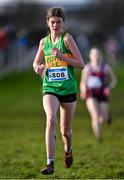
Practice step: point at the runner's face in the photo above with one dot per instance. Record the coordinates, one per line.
(55, 24)
(95, 56)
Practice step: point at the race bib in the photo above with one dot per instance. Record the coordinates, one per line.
(94, 82)
(58, 74)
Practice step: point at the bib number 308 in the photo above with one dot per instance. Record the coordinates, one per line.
(58, 74)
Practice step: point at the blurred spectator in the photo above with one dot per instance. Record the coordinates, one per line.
(21, 47)
(83, 44)
(3, 48)
(112, 50)
(121, 39)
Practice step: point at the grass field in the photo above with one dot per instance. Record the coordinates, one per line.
(22, 126)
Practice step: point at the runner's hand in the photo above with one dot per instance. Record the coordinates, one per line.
(56, 52)
(107, 91)
(39, 69)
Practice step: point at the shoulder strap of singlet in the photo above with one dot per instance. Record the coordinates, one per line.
(89, 66)
(89, 69)
(62, 41)
(63, 34)
(102, 68)
(47, 39)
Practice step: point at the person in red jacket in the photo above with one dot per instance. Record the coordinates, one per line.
(97, 81)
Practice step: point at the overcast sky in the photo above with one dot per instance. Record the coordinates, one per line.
(4, 2)
(65, 1)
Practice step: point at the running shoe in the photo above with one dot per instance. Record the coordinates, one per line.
(49, 169)
(109, 120)
(68, 159)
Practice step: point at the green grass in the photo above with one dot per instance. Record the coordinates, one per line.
(22, 127)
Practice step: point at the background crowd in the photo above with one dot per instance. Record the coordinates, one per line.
(19, 37)
(18, 48)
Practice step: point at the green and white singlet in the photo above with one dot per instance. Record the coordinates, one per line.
(59, 76)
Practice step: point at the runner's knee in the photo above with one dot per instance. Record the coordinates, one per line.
(51, 121)
(66, 132)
